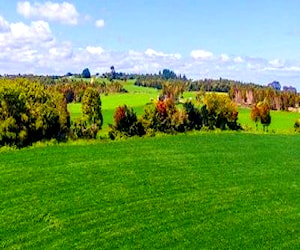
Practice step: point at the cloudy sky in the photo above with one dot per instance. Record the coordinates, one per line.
(249, 40)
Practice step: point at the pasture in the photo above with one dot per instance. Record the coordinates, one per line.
(210, 190)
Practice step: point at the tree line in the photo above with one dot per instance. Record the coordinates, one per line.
(31, 112)
(248, 95)
(164, 116)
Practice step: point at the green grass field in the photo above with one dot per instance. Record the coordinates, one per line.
(202, 191)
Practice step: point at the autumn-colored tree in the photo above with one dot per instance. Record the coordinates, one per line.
(265, 117)
(126, 123)
(173, 90)
(261, 112)
(255, 115)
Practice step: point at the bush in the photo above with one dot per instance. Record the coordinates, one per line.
(30, 113)
(126, 124)
(220, 112)
(194, 116)
(82, 129)
(297, 125)
(165, 117)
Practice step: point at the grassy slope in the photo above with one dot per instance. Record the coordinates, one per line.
(136, 98)
(198, 191)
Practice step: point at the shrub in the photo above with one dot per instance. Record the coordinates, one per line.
(165, 117)
(297, 125)
(30, 113)
(220, 112)
(126, 124)
(82, 129)
(194, 116)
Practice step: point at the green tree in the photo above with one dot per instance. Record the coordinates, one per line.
(29, 112)
(86, 73)
(88, 126)
(91, 107)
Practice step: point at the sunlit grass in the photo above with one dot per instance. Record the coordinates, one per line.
(281, 121)
(204, 191)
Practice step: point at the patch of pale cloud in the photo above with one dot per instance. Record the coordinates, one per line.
(100, 23)
(61, 51)
(37, 30)
(28, 48)
(201, 54)
(153, 53)
(292, 68)
(21, 36)
(94, 50)
(65, 12)
(224, 58)
(4, 25)
(277, 63)
(238, 59)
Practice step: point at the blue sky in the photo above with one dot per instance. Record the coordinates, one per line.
(253, 41)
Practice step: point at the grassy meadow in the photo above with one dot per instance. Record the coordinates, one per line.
(200, 190)
(204, 191)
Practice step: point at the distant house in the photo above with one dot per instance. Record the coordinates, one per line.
(275, 85)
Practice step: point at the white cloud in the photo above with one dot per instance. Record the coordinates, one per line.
(37, 30)
(224, 58)
(100, 23)
(62, 12)
(4, 25)
(202, 54)
(153, 53)
(61, 51)
(238, 59)
(294, 68)
(94, 50)
(277, 63)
